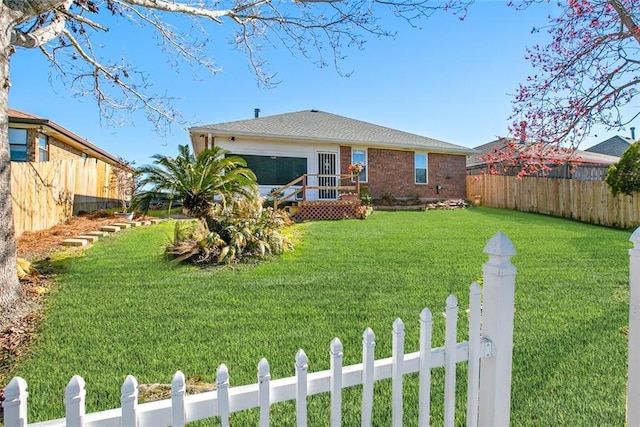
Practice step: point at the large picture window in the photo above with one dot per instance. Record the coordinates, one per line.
(18, 144)
(421, 168)
(275, 170)
(360, 156)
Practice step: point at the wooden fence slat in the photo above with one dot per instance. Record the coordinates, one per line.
(222, 386)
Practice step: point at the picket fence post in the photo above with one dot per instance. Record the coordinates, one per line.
(15, 403)
(368, 361)
(74, 401)
(129, 402)
(302, 368)
(336, 382)
(633, 364)
(397, 366)
(497, 326)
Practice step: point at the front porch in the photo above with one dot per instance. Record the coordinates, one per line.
(335, 196)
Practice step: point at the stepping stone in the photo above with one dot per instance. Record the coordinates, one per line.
(135, 223)
(88, 238)
(110, 228)
(155, 221)
(97, 233)
(122, 224)
(145, 222)
(75, 242)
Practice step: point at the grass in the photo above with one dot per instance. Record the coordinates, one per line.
(121, 309)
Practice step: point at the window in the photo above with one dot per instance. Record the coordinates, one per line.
(421, 168)
(43, 148)
(360, 156)
(18, 144)
(272, 170)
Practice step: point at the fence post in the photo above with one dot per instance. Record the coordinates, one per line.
(15, 403)
(129, 402)
(335, 363)
(397, 368)
(368, 361)
(633, 364)
(302, 366)
(264, 398)
(497, 325)
(222, 385)
(426, 327)
(74, 402)
(178, 391)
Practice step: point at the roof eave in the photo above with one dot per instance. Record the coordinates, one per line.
(70, 138)
(194, 131)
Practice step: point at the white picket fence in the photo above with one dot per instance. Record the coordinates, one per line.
(488, 353)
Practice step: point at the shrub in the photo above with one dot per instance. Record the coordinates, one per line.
(240, 230)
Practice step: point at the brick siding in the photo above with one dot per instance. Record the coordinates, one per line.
(391, 173)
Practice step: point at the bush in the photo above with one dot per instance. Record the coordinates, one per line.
(624, 176)
(241, 230)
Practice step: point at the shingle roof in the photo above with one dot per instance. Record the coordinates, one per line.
(614, 146)
(585, 157)
(314, 125)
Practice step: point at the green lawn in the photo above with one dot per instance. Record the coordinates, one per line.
(121, 309)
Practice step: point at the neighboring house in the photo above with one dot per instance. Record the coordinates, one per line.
(614, 146)
(35, 139)
(283, 147)
(564, 163)
(55, 173)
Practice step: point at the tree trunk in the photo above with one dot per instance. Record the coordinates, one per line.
(10, 289)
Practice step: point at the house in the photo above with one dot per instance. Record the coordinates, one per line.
(35, 139)
(56, 173)
(559, 162)
(614, 146)
(320, 146)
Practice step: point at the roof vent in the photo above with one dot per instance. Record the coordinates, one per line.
(633, 133)
(315, 111)
(256, 112)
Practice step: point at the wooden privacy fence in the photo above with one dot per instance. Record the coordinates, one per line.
(585, 201)
(47, 193)
(488, 352)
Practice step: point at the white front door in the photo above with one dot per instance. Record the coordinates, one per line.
(327, 165)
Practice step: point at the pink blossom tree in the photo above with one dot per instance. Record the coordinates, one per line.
(586, 75)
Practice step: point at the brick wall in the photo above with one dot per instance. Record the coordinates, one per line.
(391, 172)
(61, 151)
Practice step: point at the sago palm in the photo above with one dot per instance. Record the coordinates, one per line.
(197, 180)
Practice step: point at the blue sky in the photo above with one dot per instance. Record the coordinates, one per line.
(449, 80)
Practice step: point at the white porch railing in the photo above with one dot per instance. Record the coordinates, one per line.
(488, 352)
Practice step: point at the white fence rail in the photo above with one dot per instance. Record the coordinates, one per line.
(487, 351)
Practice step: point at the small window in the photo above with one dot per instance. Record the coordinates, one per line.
(18, 144)
(43, 148)
(360, 156)
(421, 168)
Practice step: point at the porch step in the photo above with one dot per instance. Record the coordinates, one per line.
(330, 210)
